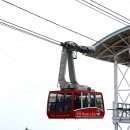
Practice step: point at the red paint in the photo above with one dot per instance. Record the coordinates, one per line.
(86, 112)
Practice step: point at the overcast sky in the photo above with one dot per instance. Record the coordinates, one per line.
(29, 67)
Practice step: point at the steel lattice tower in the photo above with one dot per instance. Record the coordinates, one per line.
(115, 48)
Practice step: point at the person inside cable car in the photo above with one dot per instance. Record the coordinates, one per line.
(77, 101)
(67, 104)
(85, 102)
(60, 102)
(92, 103)
(52, 106)
(98, 104)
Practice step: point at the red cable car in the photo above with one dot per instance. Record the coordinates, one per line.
(75, 104)
(73, 100)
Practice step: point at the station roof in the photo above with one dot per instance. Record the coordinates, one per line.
(115, 45)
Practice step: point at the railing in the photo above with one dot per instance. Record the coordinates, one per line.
(124, 110)
(121, 113)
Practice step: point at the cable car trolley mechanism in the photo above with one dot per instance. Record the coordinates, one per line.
(74, 100)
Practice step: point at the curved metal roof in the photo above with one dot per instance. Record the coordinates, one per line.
(115, 45)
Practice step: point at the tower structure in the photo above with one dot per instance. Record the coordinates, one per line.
(115, 48)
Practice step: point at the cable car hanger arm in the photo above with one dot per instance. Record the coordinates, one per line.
(67, 54)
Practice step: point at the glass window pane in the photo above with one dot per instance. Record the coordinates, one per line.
(92, 102)
(99, 98)
(52, 106)
(77, 101)
(68, 101)
(59, 106)
(99, 102)
(60, 97)
(85, 100)
(52, 97)
(68, 97)
(60, 102)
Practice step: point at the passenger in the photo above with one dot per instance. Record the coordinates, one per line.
(61, 99)
(92, 104)
(68, 102)
(99, 104)
(52, 106)
(85, 102)
(59, 104)
(77, 103)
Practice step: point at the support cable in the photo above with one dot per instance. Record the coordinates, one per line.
(29, 32)
(106, 12)
(68, 44)
(103, 12)
(48, 20)
(110, 10)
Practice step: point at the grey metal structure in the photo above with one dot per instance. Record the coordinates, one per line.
(68, 49)
(67, 55)
(115, 48)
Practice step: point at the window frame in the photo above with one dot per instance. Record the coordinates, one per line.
(58, 104)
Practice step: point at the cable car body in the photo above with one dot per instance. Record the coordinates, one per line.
(64, 104)
(73, 100)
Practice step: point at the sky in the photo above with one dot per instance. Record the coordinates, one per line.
(29, 66)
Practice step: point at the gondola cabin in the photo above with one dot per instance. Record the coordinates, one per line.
(64, 104)
(73, 100)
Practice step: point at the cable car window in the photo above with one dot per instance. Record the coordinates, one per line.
(52, 102)
(68, 100)
(60, 102)
(92, 102)
(99, 102)
(77, 101)
(85, 100)
(52, 97)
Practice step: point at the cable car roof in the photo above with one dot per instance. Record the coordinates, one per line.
(115, 45)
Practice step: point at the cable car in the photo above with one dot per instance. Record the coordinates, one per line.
(73, 100)
(75, 104)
